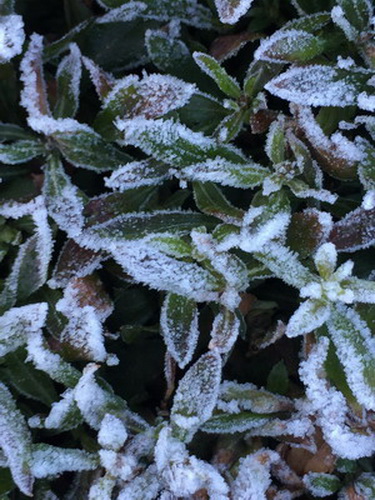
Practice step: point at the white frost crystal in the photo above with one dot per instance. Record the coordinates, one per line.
(12, 37)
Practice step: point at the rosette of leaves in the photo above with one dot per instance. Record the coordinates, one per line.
(187, 284)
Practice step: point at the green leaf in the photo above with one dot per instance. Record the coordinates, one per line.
(137, 174)
(320, 484)
(354, 344)
(227, 423)
(175, 144)
(179, 326)
(358, 12)
(212, 68)
(231, 126)
(134, 226)
(290, 46)
(15, 440)
(6, 7)
(258, 74)
(27, 381)
(68, 78)
(21, 151)
(278, 379)
(211, 201)
(64, 201)
(276, 143)
(167, 53)
(311, 23)
(197, 393)
(87, 149)
(12, 132)
(365, 485)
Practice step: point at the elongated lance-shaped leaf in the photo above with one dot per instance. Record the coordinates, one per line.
(12, 132)
(197, 392)
(230, 423)
(174, 143)
(276, 142)
(290, 46)
(15, 441)
(167, 52)
(230, 11)
(285, 264)
(225, 330)
(310, 315)
(50, 460)
(137, 225)
(68, 78)
(138, 173)
(212, 68)
(64, 201)
(355, 231)
(85, 148)
(21, 151)
(210, 200)
(258, 74)
(355, 348)
(145, 486)
(179, 326)
(30, 268)
(227, 173)
(49, 362)
(18, 322)
(64, 414)
(189, 12)
(358, 12)
(230, 127)
(319, 85)
(34, 94)
(102, 80)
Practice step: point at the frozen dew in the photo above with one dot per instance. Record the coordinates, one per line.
(230, 11)
(12, 37)
(112, 433)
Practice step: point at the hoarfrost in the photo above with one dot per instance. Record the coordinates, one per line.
(355, 347)
(120, 465)
(70, 68)
(331, 408)
(182, 474)
(145, 486)
(179, 325)
(309, 316)
(50, 460)
(12, 37)
(112, 433)
(338, 17)
(316, 85)
(224, 332)
(254, 476)
(231, 10)
(287, 45)
(197, 392)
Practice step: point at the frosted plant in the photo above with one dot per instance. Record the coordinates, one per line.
(181, 185)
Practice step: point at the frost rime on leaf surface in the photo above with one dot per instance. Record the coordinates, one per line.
(230, 11)
(12, 37)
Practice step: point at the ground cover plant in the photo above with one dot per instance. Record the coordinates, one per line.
(187, 223)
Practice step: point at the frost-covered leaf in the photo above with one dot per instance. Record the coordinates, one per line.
(64, 201)
(18, 322)
(95, 402)
(135, 226)
(74, 262)
(15, 441)
(138, 173)
(240, 175)
(325, 260)
(254, 475)
(225, 330)
(212, 68)
(320, 484)
(185, 11)
(355, 231)
(102, 488)
(197, 392)
(12, 36)
(310, 315)
(64, 414)
(174, 143)
(257, 75)
(319, 85)
(183, 474)
(365, 484)
(102, 80)
(145, 486)
(166, 51)
(86, 149)
(231, 10)
(30, 268)
(50, 460)
(355, 348)
(276, 143)
(112, 433)
(21, 151)
(153, 96)
(47, 361)
(68, 78)
(179, 326)
(331, 408)
(211, 200)
(308, 230)
(352, 17)
(291, 45)
(230, 423)
(285, 264)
